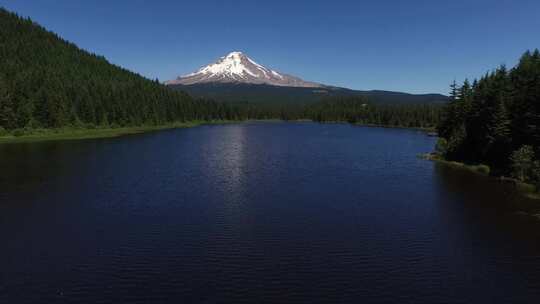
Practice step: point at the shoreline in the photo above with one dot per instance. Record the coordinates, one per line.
(525, 189)
(430, 131)
(426, 130)
(42, 135)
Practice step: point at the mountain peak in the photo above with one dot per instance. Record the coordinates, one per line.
(235, 54)
(237, 67)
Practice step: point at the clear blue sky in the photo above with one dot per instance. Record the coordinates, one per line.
(407, 45)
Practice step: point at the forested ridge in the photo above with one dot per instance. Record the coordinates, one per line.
(351, 109)
(359, 110)
(496, 121)
(269, 94)
(49, 83)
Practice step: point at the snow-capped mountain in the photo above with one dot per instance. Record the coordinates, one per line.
(236, 67)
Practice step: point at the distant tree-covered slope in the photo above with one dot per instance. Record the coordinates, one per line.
(359, 110)
(47, 82)
(253, 93)
(496, 120)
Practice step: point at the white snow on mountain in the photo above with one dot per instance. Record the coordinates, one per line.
(237, 67)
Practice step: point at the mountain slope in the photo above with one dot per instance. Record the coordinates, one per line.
(47, 82)
(237, 67)
(252, 93)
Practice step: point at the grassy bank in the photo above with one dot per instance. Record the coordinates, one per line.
(38, 135)
(526, 189)
(430, 130)
(479, 169)
(427, 130)
(72, 133)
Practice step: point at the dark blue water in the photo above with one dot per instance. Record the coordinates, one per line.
(259, 213)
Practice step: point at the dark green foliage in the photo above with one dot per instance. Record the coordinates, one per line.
(360, 110)
(536, 175)
(47, 82)
(268, 94)
(18, 132)
(441, 148)
(8, 119)
(496, 120)
(522, 162)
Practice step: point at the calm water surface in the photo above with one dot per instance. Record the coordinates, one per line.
(259, 213)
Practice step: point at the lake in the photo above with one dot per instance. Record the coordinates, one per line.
(259, 213)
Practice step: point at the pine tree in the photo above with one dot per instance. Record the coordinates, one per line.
(454, 90)
(522, 161)
(499, 126)
(7, 112)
